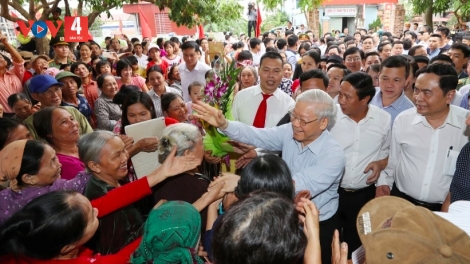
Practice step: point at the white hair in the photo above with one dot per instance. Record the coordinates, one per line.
(325, 107)
(183, 135)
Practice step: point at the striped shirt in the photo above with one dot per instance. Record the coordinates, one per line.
(157, 101)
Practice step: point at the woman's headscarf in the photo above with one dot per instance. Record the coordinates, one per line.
(171, 234)
(10, 159)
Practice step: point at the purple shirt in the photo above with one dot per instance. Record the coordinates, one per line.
(11, 201)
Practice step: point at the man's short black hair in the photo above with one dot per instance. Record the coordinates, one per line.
(270, 55)
(292, 40)
(281, 43)
(314, 74)
(448, 77)
(353, 50)
(244, 55)
(444, 30)
(462, 47)
(396, 62)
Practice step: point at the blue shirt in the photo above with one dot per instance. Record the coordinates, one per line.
(400, 105)
(460, 185)
(464, 102)
(317, 167)
(434, 53)
(83, 106)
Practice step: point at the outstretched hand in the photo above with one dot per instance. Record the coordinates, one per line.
(209, 114)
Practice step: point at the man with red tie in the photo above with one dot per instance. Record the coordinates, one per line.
(263, 105)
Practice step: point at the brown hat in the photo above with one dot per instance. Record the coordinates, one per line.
(26, 55)
(394, 230)
(35, 57)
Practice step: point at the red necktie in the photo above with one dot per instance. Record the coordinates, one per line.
(260, 117)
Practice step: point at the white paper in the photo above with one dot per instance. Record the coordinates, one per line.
(146, 162)
(459, 215)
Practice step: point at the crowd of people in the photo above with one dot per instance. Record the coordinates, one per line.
(342, 144)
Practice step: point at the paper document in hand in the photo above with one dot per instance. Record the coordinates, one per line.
(146, 162)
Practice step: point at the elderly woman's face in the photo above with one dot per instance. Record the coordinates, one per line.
(113, 161)
(178, 110)
(64, 126)
(247, 77)
(49, 169)
(110, 87)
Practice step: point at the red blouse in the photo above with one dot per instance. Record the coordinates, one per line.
(112, 201)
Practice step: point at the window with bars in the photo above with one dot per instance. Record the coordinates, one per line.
(162, 23)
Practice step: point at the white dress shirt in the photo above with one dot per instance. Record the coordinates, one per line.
(246, 103)
(143, 60)
(187, 77)
(363, 142)
(419, 152)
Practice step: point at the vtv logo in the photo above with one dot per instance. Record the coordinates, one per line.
(39, 28)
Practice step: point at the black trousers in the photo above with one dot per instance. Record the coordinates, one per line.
(396, 192)
(350, 203)
(327, 230)
(251, 26)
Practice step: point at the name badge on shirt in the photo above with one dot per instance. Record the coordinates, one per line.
(451, 163)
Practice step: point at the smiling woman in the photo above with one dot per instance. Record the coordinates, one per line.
(59, 128)
(107, 113)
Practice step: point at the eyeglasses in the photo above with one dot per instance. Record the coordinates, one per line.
(353, 59)
(52, 91)
(301, 121)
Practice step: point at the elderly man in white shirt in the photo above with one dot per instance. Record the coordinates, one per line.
(191, 69)
(363, 130)
(426, 141)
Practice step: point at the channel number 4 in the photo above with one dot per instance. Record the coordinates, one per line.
(76, 25)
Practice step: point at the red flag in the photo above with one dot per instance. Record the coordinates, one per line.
(200, 28)
(120, 26)
(258, 23)
(144, 25)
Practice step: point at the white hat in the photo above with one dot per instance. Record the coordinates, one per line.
(153, 46)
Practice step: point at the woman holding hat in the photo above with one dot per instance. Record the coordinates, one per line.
(10, 79)
(70, 95)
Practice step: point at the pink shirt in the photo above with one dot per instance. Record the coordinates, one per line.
(135, 80)
(71, 166)
(10, 83)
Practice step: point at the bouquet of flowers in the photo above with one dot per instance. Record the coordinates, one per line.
(218, 92)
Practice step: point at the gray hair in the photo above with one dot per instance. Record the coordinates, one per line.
(324, 105)
(90, 146)
(183, 136)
